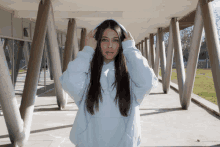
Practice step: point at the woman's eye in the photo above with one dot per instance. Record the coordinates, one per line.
(107, 40)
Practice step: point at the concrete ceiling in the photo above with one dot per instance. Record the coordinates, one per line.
(140, 17)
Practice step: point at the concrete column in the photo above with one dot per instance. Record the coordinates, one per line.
(42, 64)
(152, 50)
(193, 58)
(157, 57)
(7, 53)
(179, 56)
(49, 56)
(26, 53)
(30, 87)
(55, 57)
(75, 43)
(169, 63)
(69, 44)
(83, 38)
(149, 55)
(18, 58)
(9, 104)
(11, 49)
(69, 47)
(162, 56)
(212, 44)
(146, 48)
(60, 50)
(144, 51)
(141, 47)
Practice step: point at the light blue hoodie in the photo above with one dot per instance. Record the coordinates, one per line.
(108, 128)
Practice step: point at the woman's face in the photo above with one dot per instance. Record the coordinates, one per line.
(109, 44)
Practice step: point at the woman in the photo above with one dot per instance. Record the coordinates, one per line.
(112, 77)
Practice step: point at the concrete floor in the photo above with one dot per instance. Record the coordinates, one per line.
(163, 121)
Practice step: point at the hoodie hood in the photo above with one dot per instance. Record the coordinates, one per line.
(115, 21)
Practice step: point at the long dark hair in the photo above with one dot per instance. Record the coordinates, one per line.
(121, 73)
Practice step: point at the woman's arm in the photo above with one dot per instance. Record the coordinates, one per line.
(143, 78)
(73, 79)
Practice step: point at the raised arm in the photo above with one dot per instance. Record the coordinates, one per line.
(73, 79)
(143, 78)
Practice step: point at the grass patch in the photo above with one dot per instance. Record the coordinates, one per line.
(21, 70)
(203, 84)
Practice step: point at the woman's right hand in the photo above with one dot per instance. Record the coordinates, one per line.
(90, 40)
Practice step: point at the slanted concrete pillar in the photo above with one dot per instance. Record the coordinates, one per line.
(83, 38)
(141, 47)
(169, 63)
(69, 47)
(7, 53)
(31, 81)
(18, 58)
(49, 56)
(11, 49)
(42, 64)
(26, 53)
(146, 48)
(157, 59)
(9, 104)
(179, 56)
(212, 44)
(193, 58)
(162, 55)
(55, 58)
(75, 43)
(152, 53)
(144, 51)
(60, 49)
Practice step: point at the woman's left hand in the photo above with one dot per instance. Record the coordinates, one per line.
(128, 36)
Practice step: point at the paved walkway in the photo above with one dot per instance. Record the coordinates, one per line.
(163, 122)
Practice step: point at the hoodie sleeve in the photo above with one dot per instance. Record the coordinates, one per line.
(74, 78)
(143, 78)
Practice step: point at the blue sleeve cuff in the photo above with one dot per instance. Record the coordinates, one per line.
(128, 44)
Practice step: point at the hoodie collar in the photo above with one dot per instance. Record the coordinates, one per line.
(109, 64)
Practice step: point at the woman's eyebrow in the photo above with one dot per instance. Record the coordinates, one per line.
(107, 37)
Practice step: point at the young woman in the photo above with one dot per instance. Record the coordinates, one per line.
(108, 81)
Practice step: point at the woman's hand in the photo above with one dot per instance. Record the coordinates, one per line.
(90, 40)
(128, 37)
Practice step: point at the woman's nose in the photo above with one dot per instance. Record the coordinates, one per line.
(110, 44)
